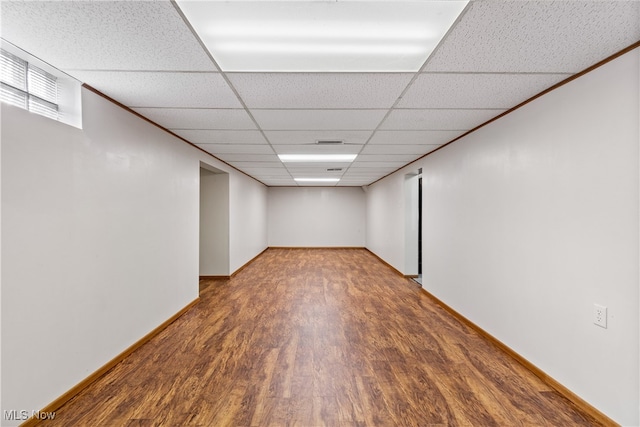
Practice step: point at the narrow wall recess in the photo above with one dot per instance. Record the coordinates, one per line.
(214, 222)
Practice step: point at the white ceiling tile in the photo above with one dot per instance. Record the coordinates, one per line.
(378, 166)
(310, 137)
(390, 149)
(266, 172)
(414, 149)
(537, 36)
(423, 137)
(320, 90)
(438, 119)
(354, 183)
(476, 90)
(365, 180)
(231, 158)
(279, 178)
(358, 182)
(167, 89)
(381, 158)
(263, 165)
(236, 148)
(198, 118)
(208, 136)
(362, 173)
(318, 119)
(106, 35)
(279, 182)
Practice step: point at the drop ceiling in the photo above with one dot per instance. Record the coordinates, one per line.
(246, 102)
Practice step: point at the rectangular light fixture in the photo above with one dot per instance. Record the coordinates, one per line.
(320, 36)
(316, 179)
(326, 158)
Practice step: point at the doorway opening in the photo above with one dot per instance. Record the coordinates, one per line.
(214, 224)
(419, 278)
(413, 256)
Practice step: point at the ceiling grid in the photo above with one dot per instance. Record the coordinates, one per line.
(492, 56)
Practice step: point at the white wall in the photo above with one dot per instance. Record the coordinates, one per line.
(214, 223)
(531, 220)
(99, 243)
(247, 220)
(386, 220)
(317, 216)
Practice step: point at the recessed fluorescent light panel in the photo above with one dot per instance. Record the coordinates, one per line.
(317, 36)
(308, 158)
(316, 179)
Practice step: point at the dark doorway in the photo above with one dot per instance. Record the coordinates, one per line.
(420, 228)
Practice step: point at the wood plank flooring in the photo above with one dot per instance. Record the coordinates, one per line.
(318, 337)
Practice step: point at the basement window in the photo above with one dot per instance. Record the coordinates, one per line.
(37, 87)
(27, 86)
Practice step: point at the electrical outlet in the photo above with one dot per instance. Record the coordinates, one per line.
(600, 315)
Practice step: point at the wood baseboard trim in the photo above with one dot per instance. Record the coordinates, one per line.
(398, 272)
(56, 404)
(317, 247)
(551, 382)
(247, 263)
(235, 272)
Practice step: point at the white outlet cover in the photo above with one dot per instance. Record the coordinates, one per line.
(600, 315)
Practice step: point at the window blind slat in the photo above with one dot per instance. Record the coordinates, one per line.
(42, 107)
(13, 96)
(42, 84)
(13, 70)
(27, 86)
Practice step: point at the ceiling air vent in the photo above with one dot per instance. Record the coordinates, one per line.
(334, 169)
(329, 142)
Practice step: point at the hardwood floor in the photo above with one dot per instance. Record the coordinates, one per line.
(315, 337)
